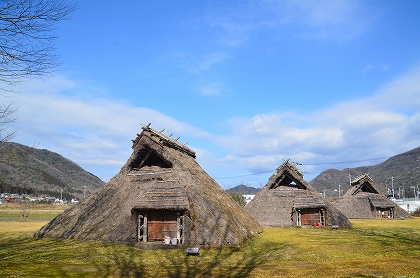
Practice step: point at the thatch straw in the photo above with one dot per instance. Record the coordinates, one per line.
(160, 175)
(285, 194)
(363, 201)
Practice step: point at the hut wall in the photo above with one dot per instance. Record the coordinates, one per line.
(211, 216)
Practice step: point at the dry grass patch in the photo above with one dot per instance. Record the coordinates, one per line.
(372, 248)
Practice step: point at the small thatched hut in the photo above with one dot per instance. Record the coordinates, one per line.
(363, 200)
(287, 200)
(160, 192)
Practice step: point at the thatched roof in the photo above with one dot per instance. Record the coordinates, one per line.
(362, 201)
(160, 175)
(285, 194)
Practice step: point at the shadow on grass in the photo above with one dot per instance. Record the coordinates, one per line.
(392, 236)
(237, 261)
(220, 262)
(128, 263)
(211, 262)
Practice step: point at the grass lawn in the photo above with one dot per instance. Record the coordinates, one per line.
(38, 212)
(372, 248)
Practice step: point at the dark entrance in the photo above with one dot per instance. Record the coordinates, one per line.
(385, 213)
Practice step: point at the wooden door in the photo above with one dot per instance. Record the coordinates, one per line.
(161, 224)
(309, 217)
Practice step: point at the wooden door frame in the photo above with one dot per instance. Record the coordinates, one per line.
(321, 214)
(142, 224)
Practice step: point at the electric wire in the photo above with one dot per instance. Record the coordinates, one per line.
(303, 164)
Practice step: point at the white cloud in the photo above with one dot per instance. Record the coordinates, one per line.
(383, 67)
(208, 61)
(192, 62)
(211, 89)
(386, 66)
(383, 125)
(96, 133)
(338, 20)
(367, 68)
(331, 20)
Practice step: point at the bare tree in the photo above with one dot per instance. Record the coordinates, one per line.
(27, 34)
(7, 115)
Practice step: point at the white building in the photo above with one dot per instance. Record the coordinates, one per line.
(248, 198)
(410, 205)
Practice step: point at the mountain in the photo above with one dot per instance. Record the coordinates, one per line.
(243, 189)
(402, 171)
(27, 170)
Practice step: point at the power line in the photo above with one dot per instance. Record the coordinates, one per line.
(341, 162)
(316, 164)
(303, 164)
(246, 175)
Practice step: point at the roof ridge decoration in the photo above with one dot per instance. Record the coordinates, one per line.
(361, 177)
(363, 183)
(288, 175)
(291, 165)
(163, 139)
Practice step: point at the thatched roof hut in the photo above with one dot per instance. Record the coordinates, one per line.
(363, 201)
(160, 192)
(287, 200)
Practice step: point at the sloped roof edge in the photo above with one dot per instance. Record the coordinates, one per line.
(290, 171)
(290, 166)
(360, 181)
(162, 139)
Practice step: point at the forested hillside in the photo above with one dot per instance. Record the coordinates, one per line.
(402, 170)
(28, 170)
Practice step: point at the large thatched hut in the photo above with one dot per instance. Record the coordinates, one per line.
(362, 201)
(287, 200)
(160, 192)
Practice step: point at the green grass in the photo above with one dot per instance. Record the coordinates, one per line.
(16, 216)
(372, 248)
(34, 212)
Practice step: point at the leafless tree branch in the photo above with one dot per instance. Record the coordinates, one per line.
(27, 35)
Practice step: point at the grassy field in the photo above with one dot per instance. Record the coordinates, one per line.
(372, 248)
(38, 212)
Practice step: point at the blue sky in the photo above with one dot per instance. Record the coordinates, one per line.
(246, 83)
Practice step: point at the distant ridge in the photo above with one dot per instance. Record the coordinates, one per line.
(404, 168)
(243, 189)
(28, 170)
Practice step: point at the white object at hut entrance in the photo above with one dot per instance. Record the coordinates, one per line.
(193, 250)
(158, 225)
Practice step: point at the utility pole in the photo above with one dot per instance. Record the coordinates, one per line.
(392, 186)
(350, 179)
(403, 192)
(414, 188)
(84, 191)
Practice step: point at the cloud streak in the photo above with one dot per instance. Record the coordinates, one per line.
(95, 132)
(327, 20)
(378, 126)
